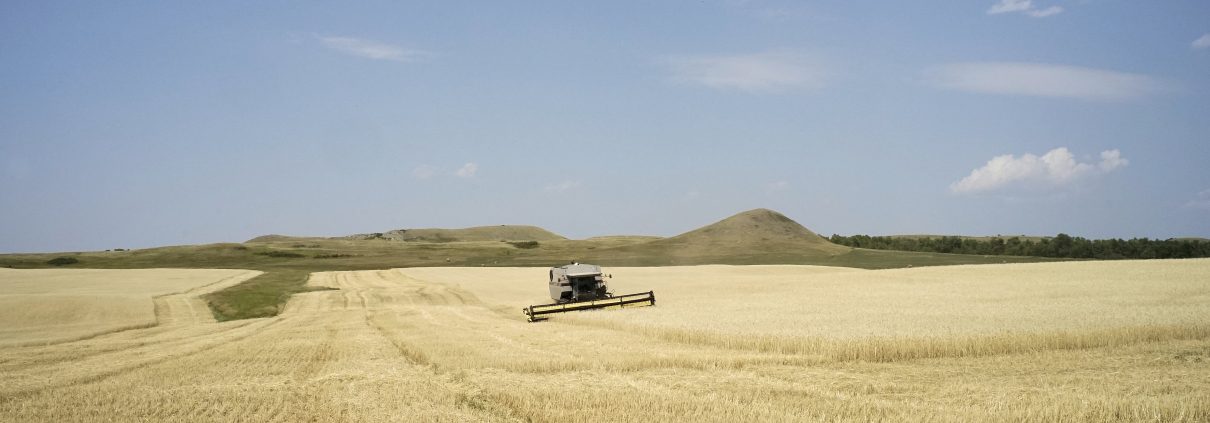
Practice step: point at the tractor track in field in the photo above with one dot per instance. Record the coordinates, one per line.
(172, 312)
(168, 309)
(26, 370)
(129, 358)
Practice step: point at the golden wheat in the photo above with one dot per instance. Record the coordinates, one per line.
(56, 305)
(890, 314)
(768, 343)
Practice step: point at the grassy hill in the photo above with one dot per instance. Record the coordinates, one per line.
(477, 233)
(760, 230)
(753, 237)
(631, 238)
(472, 234)
(763, 236)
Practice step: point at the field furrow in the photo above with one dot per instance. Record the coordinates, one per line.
(42, 307)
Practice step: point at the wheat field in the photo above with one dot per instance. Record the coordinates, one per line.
(1087, 341)
(44, 306)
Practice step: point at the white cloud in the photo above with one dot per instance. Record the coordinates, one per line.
(424, 172)
(1042, 13)
(1201, 201)
(467, 170)
(1043, 80)
(1005, 6)
(776, 186)
(563, 186)
(1203, 42)
(370, 49)
(1112, 160)
(767, 72)
(1057, 168)
(1023, 6)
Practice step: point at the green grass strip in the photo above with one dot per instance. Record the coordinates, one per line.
(261, 296)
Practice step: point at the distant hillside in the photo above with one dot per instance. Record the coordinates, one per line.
(478, 233)
(752, 237)
(283, 238)
(636, 238)
(753, 232)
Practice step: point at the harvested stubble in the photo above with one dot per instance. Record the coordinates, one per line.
(56, 305)
(451, 345)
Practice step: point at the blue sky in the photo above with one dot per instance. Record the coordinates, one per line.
(127, 124)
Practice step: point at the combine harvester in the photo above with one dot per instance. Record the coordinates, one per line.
(577, 287)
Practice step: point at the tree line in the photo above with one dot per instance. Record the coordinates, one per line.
(1060, 246)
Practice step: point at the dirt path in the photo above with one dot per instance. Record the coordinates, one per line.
(188, 307)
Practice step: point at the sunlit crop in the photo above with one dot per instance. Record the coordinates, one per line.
(45, 306)
(1090, 341)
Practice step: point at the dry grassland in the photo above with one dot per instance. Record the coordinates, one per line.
(57, 305)
(1119, 341)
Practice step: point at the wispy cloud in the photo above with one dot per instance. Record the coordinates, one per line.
(1043, 80)
(467, 170)
(424, 172)
(1006, 6)
(1201, 201)
(768, 72)
(1055, 169)
(370, 49)
(1042, 13)
(563, 186)
(1201, 43)
(776, 186)
(1112, 160)
(1023, 6)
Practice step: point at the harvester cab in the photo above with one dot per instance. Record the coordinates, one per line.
(579, 286)
(578, 282)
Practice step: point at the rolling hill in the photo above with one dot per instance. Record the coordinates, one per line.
(759, 236)
(476, 233)
(752, 230)
(436, 235)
